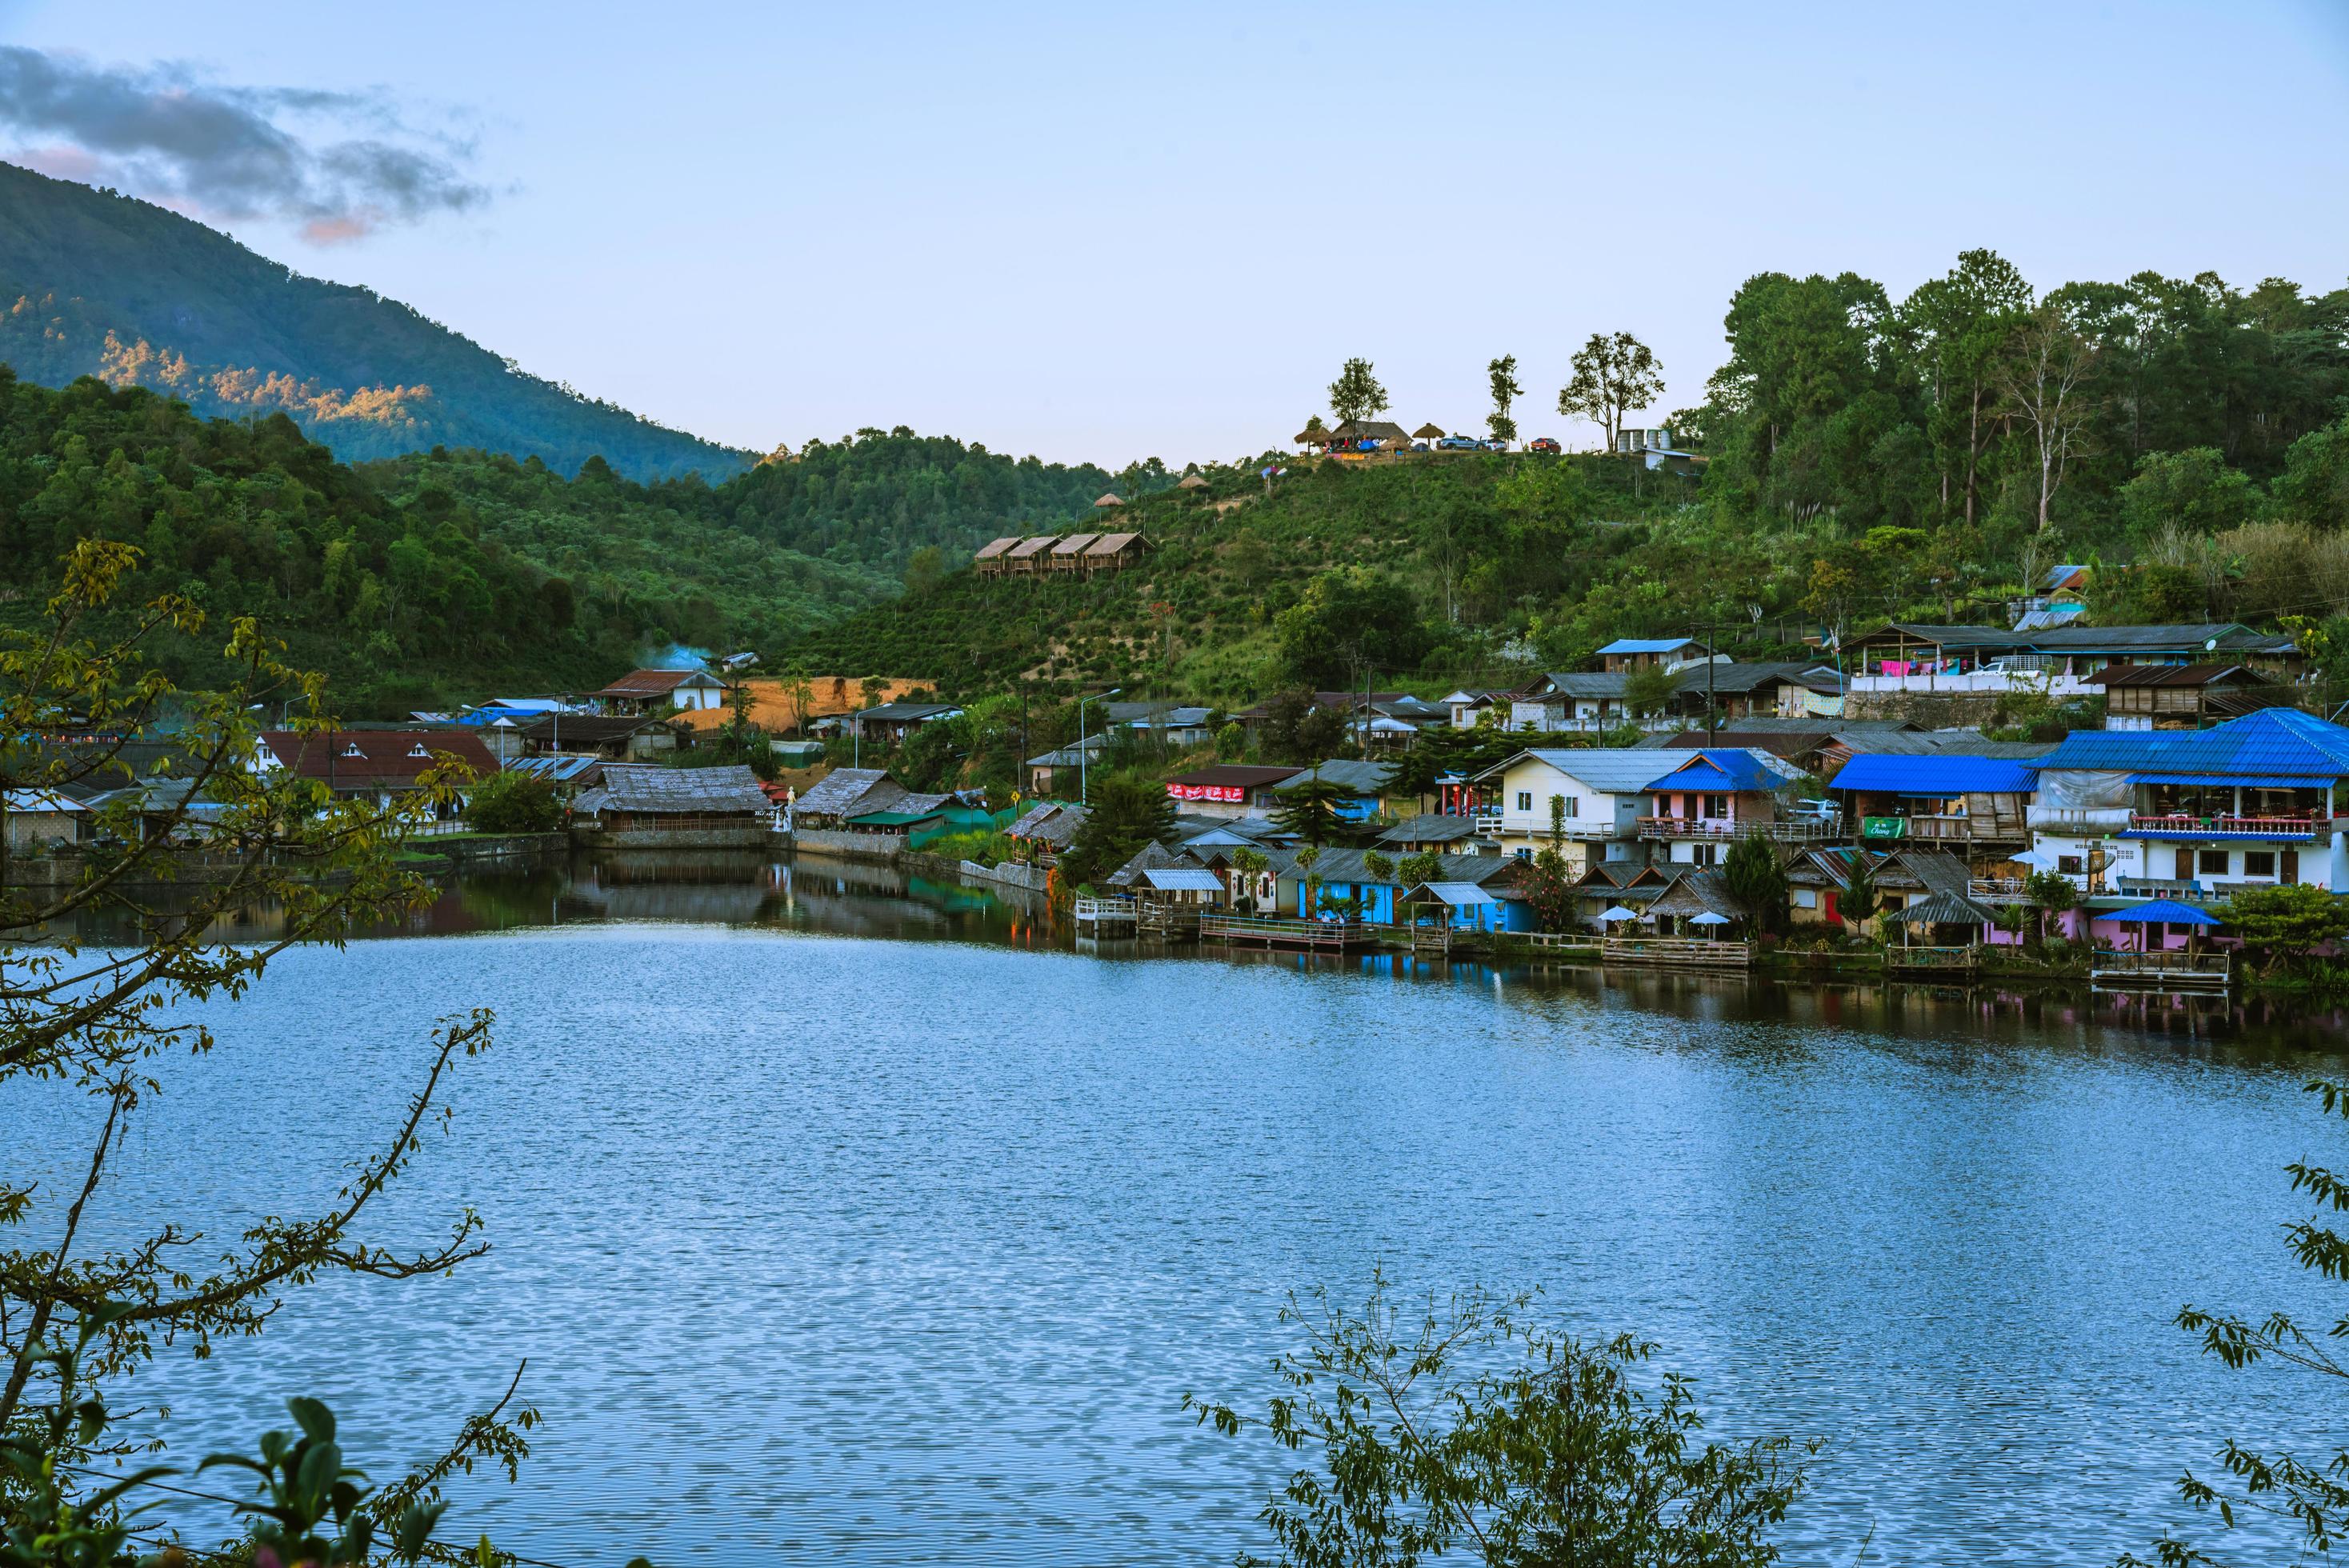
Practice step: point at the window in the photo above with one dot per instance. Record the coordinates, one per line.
(2069, 865)
(1806, 898)
(1716, 805)
(418, 751)
(1525, 799)
(1525, 855)
(1704, 854)
(2211, 864)
(2259, 863)
(351, 748)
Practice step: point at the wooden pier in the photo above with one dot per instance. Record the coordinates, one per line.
(2176, 971)
(1676, 952)
(1307, 935)
(1957, 962)
(1104, 916)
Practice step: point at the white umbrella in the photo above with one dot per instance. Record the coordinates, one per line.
(1617, 912)
(1708, 918)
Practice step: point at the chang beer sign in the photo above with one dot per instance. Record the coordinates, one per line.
(1883, 827)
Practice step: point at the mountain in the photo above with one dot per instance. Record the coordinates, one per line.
(97, 283)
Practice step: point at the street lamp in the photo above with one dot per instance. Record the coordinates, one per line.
(1084, 783)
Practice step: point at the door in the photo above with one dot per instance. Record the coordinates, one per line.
(2288, 868)
(1829, 910)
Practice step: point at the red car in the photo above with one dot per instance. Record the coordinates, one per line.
(1543, 444)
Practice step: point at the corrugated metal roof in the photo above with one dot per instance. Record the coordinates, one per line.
(1648, 644)
(1361, 778)
(1181, 879)
(1459, 895)
(643, 786)
(1736, 770)
(2275, 741)
(1936, 776)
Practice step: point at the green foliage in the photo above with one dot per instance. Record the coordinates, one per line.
(1860, 900)
(2311, 1495)
(1651, 690)
(1308, 809)
(1502, 374)
(2288, 921)
(1356, 394)
(1756, 880)
(1127, 811)
(1421, 866)
(1546, 882)
(2050, 893)
(984, 845)
(1475, 1429)
(513, 803)
(1348, 621)
(106, 285)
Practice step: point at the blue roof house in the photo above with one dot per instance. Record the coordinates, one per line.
(1721, 794)
(1947, 797)
(2194, 815)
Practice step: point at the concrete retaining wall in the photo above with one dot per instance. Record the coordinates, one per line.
(747, 836)
(848, 845)
(1035, 879)
(1934, 710)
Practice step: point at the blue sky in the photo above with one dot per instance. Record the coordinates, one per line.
(1103, 233)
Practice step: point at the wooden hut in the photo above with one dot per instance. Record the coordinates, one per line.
(1191, 482)
(1109, 498)
(1428, 433)
(1116, 552)
(989, 562)
(1028, 556)
(1068, 555)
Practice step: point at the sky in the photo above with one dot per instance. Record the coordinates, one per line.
(1103, 233)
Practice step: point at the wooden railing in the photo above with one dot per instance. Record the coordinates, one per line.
(2186, 825)
(1784, 831)
(1270, 930)
(1932, 957)
(2196, 970)
(1998, 889)
(1676, 950)
(1104, 911)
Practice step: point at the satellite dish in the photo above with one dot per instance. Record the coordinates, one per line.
(2209, 644)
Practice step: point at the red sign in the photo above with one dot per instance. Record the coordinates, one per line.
(1232, 794)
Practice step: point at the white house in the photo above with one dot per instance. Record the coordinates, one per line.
(1603, 794)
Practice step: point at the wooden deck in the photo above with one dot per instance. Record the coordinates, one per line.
(1676, 952)
(1961, 961)
(1104, 916)
(1265, 931)
(2162, 971)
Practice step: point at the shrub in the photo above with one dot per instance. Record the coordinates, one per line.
(513, 803)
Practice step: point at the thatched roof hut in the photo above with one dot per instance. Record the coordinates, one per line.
(1428, 433)
(1191, 481)
(1110, 498)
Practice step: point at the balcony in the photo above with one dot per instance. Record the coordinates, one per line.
(1943, 829)
(1721, 830)
(2182, 825)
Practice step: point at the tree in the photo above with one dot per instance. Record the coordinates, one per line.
(1422, 866)
(1859, 896)
(1960, 323)
(1346, 619)
(1477, 1429)
(1503, 373)
(1756, 880)
(2051, 893)
(2046, 381)
(1356, 395)
(1649, 690)
(76, 1313)
(1307, 858)
(1308, 809)
(1612, 376)
(511, 802)
(2313, 1495)
(924, 568)
(1127, 812)
(1548, 885)
(1247, 865)
(2190, 493)
(2288, 921)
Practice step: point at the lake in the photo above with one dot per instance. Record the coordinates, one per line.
(845, 1219)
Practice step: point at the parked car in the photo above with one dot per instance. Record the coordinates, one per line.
(1458, 444)
(1544, 444)
(1419, 446)
(1825, 812)
(1494, 446)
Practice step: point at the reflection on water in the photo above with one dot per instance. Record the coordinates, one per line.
(904, 1250)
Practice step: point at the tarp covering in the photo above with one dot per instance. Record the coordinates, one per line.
(2165, 910)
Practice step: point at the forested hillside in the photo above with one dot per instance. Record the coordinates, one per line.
(1866, 460)
(94, 284)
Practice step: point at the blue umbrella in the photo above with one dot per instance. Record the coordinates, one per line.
(2164, 908)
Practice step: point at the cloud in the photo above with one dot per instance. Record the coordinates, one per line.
(338, 165)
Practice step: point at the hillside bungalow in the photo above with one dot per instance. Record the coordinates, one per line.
(1029, 556)
(1063, 766)
(1717, 797)
(1069, 555)
(34, 822)
(2196, 814)
(1361, 788)
(1177, 725)
(1116, 552)
(2183, 696)
(645, 692)
(378, 765)
(891, 722)
(1978, 804)
(639, 806)
(1229, 789)
(993, 557)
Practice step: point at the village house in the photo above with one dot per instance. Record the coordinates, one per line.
(657, 691)
(1908, 657)
(1469, 707)
(891, 722)
(1820, 879)
(640, 805)
(863, 812)
(1059, 770)
(1043, 833)
(2195, 815)
(378, 765)
(616, 739)
(1716, 796)
(1343, 876)
(1978, 806)
(2183, 696)
(1178, 726)
(1600, 794)
(1625, 655)
(1615, 885)
(34, 822)
(1230, 790)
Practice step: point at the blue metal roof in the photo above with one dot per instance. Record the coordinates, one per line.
(1735, 769)
(2273, 742)
(2163, 909)
(1646, 644)
(1936, 776)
